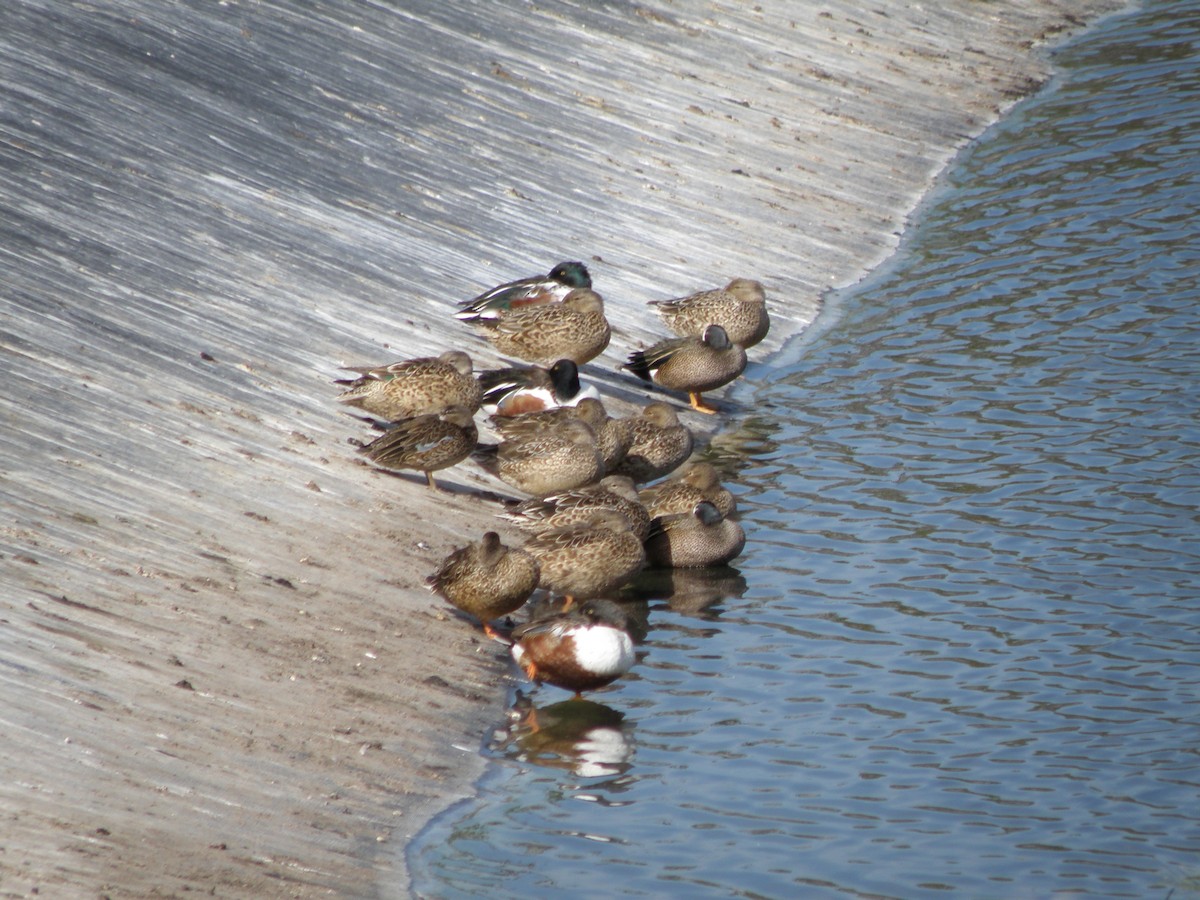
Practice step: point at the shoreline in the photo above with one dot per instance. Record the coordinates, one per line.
(222, 671)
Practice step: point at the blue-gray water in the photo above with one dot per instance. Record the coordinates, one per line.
(962, 657)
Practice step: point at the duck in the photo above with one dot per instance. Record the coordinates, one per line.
(545, 461)
(413, 387)
(611, 438)
(574, 328)
(573, 507)
(425, 443)
(740, 308)
(486, 579)
(587, 559)
(579, 650)
(537, 289)
(514, 390)
(658, 443)
(696, 539)
(692, 364)
(699, 481)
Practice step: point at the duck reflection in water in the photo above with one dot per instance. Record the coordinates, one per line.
(692, 592)
(583, 737)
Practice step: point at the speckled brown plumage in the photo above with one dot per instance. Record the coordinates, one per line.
(425, 443)
(740, 308)
(575, 507)
(658, 443)
(699, 481)
(589, 559)
(414, 387)
(544, 461)
(574, 329)
(486, 579)
(610, 437)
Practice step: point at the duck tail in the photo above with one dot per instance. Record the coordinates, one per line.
(497, 384)
(638, 365)
(474, 318)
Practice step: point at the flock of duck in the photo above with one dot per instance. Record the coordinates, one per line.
(591, 522)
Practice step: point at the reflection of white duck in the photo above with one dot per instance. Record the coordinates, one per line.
(588, 739)
(602, 751)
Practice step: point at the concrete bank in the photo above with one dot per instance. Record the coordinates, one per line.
(219, 671)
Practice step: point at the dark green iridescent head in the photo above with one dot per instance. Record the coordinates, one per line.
(572, 274)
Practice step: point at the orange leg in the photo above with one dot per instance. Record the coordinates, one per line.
(491, 632)
(699, 405)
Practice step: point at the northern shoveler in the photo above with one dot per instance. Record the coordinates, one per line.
(414, 387)
(611, 438)
(425, 443)
(545, 461)
(515, 390)
(578, 650)
(699, 481)
(573, 329)
(486, 579)
(740, 308)
(658, 443)
(495, 303)
(691, 364)
(570, 508)
(590, 558)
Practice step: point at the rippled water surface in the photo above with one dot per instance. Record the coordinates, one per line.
(961, 655)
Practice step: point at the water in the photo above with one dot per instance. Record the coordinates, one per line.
(962, 653)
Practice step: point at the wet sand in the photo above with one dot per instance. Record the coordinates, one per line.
(221, 672)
